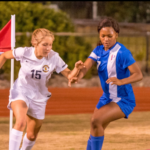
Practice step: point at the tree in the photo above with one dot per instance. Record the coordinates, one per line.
(30, 16)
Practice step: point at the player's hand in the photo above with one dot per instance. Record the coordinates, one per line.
(72, 80)
(79, 65)
(114, 80)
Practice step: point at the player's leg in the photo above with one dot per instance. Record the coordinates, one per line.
(35, 117)
(19, 109)
(100, 119)
(88, 147)
(89, 140)
(103, 116)
(33, 127)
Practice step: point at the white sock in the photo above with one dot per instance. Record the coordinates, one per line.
(27, 144)
(15, 139)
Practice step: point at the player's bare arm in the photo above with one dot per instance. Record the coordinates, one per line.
(5, 56)
(88, 64)
(69, 74)
(136, 75)
(72, 75)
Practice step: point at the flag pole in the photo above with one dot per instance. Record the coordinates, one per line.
(12, 65)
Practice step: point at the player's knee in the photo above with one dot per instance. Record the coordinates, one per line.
(20, 124)
(96, 122)
(31, 136)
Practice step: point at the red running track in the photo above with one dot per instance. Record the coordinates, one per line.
(77, 100)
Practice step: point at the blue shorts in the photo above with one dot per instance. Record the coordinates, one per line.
(125, 105)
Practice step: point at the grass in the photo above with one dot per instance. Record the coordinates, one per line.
(71, 132)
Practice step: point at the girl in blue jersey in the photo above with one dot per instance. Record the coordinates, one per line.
(116, 69)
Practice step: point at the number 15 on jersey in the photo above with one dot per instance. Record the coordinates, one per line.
(36, 74)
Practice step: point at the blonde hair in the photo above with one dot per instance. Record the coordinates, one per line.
(39, 34)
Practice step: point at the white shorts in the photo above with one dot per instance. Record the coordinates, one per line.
(35, 109)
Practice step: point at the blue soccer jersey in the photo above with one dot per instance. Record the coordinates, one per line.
(114, 63)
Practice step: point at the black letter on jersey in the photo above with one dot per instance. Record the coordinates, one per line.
(37, 75)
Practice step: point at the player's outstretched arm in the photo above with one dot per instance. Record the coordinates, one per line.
(87, 65)
(78, 66)
(69, 74)
(72, 74)
(4, 56)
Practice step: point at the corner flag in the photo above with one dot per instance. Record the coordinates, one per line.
(7, 42)
(5, 37)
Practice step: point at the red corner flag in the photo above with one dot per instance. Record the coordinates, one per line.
(7, 42)
(5, 38)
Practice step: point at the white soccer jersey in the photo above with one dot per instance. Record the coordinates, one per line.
(34, 73)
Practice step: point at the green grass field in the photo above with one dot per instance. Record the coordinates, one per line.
(71, 132)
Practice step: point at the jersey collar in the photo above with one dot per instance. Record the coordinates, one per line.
(106, 52)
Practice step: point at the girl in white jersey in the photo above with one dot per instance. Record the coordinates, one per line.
(29, 94)
(116, 69)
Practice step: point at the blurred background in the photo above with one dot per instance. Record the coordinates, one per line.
(74, 24)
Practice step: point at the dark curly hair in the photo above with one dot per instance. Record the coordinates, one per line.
(108, 22)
